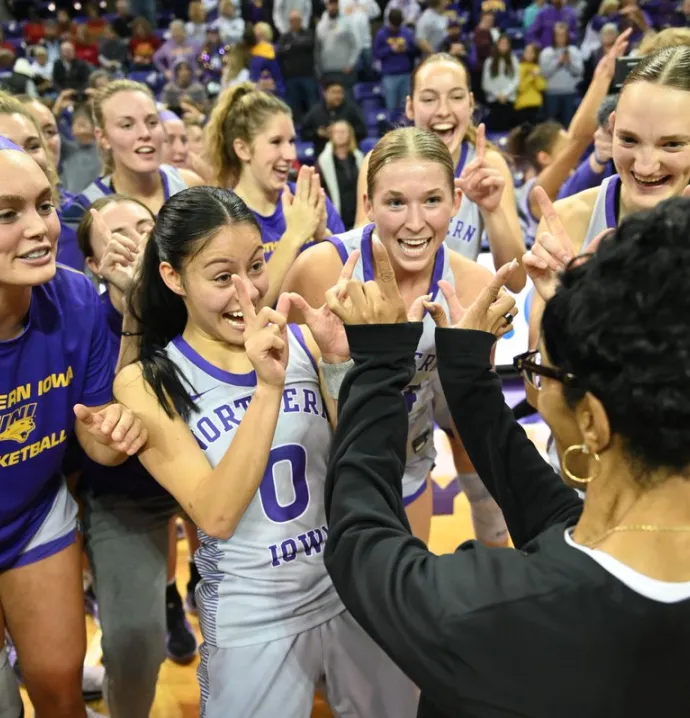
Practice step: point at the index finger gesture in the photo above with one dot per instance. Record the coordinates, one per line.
(480, 142)
(246, 306)
(490, 293)
(553, 222)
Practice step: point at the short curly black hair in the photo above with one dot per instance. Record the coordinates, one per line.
(620, 323)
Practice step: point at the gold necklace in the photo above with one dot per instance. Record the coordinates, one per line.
(649, 528)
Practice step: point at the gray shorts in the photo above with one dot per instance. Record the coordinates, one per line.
(268, 680)
(57, 532)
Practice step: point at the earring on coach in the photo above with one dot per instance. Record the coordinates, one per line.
(582, 448)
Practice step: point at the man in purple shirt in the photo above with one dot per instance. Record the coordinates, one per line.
(541, 31)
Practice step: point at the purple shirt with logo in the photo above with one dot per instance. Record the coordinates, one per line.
(60, 359)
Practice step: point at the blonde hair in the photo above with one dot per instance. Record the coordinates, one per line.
(353, 141)
(471, 133)
(263, 30)
(671, 37)
(99, 98)
(240, 113)
(409, 142)
(10, 105)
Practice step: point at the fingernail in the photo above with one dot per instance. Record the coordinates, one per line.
(514, 264)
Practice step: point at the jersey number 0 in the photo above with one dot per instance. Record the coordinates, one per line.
(296, 456)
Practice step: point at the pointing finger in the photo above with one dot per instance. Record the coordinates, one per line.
(349, 267)
(243, 298)
(480, 142)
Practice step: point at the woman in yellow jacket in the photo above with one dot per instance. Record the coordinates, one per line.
(531, 87)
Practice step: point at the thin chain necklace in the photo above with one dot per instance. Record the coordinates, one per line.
(648, 528)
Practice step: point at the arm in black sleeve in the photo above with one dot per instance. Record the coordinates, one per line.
(412, 603)
(310, 124)
(530, 493)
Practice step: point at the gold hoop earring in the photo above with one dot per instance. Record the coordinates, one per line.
(583, 449)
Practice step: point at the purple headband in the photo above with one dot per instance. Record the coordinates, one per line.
(6, 144)
(167, 116)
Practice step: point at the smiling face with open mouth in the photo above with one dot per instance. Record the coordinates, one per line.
(412, 205)
(651, 143)
(441, 101)
(132, 131)
(29, 225)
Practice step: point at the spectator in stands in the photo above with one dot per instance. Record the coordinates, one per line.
(254, 11)
(64, 24)
(42, 69)
(183, 86)
(542, 30)
(145, 9)
(500, 79)
(361, 13)
(396, 50)
(84, 46)
(34, 30)
(337, 47)
(178, 47)
(295, 50)
(530, 93)
(410, 9)
(195, 136)
(236, 66)
(176, 147)
(283, 12)
(338, 167)
(69, 72)
(112, 51)
(334, 106)
(431, 28)
(98, 79)
(210, 60)
(122, 23)
(607, 36)
(455, 46)
(562, 67)
(457, 15)
(21, 81)
(681, 17)
(196, 27)
(80, 162)
(230, 25)
(142, 34)
(483, 39)
(4, 44)
(94, 21)
(51, 41)
(531, 12)
(264, 68)
(631, 15)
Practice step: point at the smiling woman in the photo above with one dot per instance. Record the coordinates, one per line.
(51, 369)
(410, 199)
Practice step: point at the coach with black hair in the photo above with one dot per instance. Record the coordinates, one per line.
(590, 616)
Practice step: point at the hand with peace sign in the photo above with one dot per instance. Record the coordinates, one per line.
(552, 250)
(492, 311)
(479, 181)
(265, 337)
(121, 257)
(377, 302)
(328, 331)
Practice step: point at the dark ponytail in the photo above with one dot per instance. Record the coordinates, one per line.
(185, 223)
(527, 141)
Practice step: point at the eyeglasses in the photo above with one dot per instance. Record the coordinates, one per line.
(532, 370)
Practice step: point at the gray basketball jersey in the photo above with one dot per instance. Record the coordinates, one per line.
(465, 230)
(419, 393)
(604, 212)
(268, 580)
(528, 222)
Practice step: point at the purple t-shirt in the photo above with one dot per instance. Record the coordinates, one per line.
(61, 359)
(273, 226)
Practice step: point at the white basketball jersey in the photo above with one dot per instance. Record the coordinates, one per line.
(465, 230)
(267, 581)
(605, 210)
(419, 393)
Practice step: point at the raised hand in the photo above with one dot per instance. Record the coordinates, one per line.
(265, 337)
(122, 255)
(115, 426)
(492, 311)
(479, 181)
(326, 328)
(301, 210)
(377, 302)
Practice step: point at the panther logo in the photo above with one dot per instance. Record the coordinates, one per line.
(19, 430)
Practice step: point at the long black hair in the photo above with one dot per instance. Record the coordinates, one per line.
(186, 222)
(618, 322)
